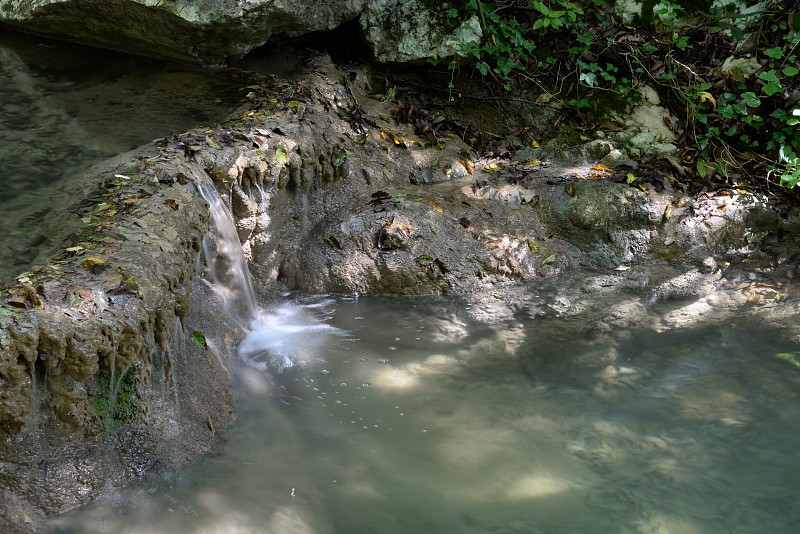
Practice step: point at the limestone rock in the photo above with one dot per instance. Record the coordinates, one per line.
(218, 31)
(415, 30)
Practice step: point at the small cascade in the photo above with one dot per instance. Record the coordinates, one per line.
(225, 260)
(275, 341)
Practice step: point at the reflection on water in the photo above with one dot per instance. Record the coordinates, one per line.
(64, 108)
(411, 417)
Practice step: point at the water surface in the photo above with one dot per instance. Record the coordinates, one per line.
(64, 108)
(396, 416)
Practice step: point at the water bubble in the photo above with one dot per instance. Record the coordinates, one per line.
(401, 413)
(366, 384)
(364, 360)
(391, 347)
(397, 339)
(383, 360)
(343, 384)
(424, 429)
(325, 371)
(338, 402)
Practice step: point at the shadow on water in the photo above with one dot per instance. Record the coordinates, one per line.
(64, 108)
(411, 416)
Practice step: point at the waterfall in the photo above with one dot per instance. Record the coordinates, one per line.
(225, 260)
(286, 336)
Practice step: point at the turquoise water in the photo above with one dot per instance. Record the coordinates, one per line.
(399, 416)
(64, 108)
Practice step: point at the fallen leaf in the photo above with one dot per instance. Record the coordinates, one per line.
(281, 156)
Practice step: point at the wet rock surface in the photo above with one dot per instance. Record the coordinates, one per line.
(331, 194)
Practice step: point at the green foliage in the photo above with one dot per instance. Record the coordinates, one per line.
(505, 47)
(750, 118)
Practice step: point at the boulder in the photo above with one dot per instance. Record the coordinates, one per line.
(221, 31)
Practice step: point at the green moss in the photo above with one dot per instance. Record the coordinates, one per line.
(115, 402)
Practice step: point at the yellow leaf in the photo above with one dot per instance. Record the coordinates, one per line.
(705, 96)
(600, 168)
(492, 167)
(630, 178)
(435, 206)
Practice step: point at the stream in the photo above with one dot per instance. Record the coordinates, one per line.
(389, 415)
(396, 415)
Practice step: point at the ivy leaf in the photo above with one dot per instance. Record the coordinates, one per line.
(751, 100)
(589, 78)
(772, 88)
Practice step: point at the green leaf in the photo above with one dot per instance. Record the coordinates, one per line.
(774, 53)
(589, 78)
(281, 156)
(751, 99)
(704, 168)
(769, 76)
(790, 71)
(199, 339)
(772, 88)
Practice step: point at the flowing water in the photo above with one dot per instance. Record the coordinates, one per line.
(64, 108)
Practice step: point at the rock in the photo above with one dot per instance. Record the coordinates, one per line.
(616, 157)
(220, 31)
(414, 30)
(740, 68)
(649, 116)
